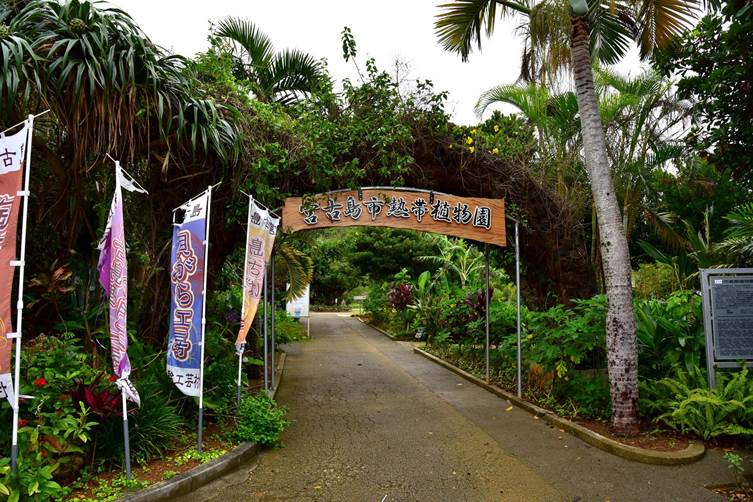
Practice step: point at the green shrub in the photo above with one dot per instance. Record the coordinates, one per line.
(287, 328)
(654, 280)
(375, 304)
(670, 334)
(153, 427)
(562, 339)
(684, 403)
(260, 420)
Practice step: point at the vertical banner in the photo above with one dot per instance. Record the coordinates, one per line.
(113, 276)
(187, 267)
(12, 161)
(262, 227)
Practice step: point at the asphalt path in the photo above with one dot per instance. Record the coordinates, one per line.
(372, 421)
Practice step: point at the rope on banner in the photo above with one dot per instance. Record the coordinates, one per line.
(27, 119)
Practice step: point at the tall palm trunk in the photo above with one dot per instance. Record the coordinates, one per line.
(621, 338)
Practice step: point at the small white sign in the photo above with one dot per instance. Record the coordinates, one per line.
(299, 307)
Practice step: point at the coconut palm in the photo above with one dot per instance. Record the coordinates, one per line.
(283, 77)
(573, 34)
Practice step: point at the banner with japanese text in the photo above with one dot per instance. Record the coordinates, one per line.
(474, 218)
(113, 276)
(187, 266)
(262, 228)
(12, 158)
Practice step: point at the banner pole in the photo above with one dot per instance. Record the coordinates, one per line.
(266, 341)
(20, 303)
(204, 319)
(243, 302)
(126, 439)
(486, 311)
(272, 302)
(517, 305)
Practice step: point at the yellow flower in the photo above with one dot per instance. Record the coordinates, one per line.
(469, 140)
(473, 131)
(495, 150)
(450, 146)
(496, 128)
(472, 149)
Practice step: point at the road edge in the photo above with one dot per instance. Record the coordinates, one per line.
(189, 481)
(693, 453)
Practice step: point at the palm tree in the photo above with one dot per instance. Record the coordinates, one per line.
(639, 115)
(600, 31)
(283, 77)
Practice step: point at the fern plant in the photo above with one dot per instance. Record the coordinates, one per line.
(684, 404)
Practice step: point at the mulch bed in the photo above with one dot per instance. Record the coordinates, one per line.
(164, 468)
(649, 436)
(741, 494)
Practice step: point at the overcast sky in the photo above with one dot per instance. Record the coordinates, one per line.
(384, 30)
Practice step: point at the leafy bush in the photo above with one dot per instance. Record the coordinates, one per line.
(400, 296)
(152, 428)
(670, 334)
(654, 280)
(562, 339)
(685, 404)
(287, 328)
(375, 304)
(260, 420)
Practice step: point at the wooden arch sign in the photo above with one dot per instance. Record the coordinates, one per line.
(472, 218)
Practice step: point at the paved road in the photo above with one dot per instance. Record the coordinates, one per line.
(371, 421)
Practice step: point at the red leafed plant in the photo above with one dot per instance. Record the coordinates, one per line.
(101, 402)
(401, 296)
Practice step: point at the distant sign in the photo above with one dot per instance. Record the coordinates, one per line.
(467, 217)
(728, 317)
(299, 307)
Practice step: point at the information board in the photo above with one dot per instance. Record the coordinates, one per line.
(732, 304)
(728, 318)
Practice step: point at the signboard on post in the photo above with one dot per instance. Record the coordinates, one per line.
(473, 218)
(299, 307)
(728, 318)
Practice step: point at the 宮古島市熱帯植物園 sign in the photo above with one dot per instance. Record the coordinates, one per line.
(473, 218)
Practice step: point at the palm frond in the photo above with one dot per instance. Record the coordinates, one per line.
(294, 73)
(661, 21)
(255, 44)
(459, 24)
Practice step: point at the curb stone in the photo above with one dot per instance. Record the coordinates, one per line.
(385, 333)
(693, 452)
(193, 479)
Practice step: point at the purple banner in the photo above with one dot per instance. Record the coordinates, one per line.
(186, 308)
(113, 275)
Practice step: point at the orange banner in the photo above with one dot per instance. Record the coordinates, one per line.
(12, 158)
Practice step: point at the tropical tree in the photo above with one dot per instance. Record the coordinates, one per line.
(601, 31)
(283, 77)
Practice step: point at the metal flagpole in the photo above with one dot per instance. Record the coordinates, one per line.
(204, 318)
(266, 341)
(126, 439)
(486, 252)
(20, 263)
(272, 301)
(124, 398)
(243, 307)
(517, 302)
